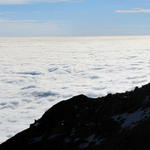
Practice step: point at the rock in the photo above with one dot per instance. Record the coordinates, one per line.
(115, 122)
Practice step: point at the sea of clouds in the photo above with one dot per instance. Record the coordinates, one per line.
(36, 73)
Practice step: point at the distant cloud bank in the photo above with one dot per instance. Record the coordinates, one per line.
(137, 10)
(30, 27)
(6, 2)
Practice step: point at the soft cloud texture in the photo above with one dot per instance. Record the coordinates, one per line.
(137, 10)
(33, 1)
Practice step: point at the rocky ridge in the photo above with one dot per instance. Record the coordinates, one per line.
(115, 122)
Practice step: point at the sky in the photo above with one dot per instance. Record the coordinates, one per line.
(74, 17)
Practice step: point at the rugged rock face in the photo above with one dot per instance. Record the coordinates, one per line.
(114, 122)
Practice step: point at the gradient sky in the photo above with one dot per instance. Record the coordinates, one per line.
(74, 17)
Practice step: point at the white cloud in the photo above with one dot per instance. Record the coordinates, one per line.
(33, 1)
(13, 1)
(137, 10)
(30, 28)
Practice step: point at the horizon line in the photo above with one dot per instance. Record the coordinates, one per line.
(75, 36)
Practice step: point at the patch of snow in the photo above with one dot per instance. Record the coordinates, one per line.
(130, 119)
(36, 124)
(94, 139)
(98, 141)
(54, 136)
(84, 145)
(90, 138)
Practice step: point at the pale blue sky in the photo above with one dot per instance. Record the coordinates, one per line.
(74, 17)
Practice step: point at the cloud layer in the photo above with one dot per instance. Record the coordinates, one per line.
(33, 1)
(137, 10)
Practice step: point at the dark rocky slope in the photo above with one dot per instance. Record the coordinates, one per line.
(114, 122)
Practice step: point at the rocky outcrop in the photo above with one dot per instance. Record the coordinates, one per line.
(114, 122)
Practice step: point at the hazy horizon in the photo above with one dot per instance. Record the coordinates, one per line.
(74, 18)
(77, 36)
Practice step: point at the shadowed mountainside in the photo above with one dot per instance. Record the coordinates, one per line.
(119, 122)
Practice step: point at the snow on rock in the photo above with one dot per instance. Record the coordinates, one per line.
(131, 119)
(83, 145)
(89, 140)
(54, 136)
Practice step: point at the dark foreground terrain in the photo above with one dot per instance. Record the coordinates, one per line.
(114, 122)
